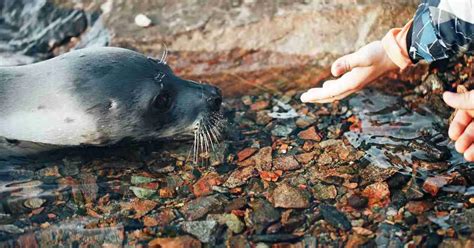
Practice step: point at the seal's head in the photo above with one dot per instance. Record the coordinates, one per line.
(182, 107)
(165, 106)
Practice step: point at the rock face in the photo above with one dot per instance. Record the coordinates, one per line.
(262, 45)
(241, 46)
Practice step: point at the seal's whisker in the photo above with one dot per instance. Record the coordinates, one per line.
(165, 55)
(216, 133)
(210, 137)
(201, 137)
(213, 134)
(206, 144)
(195, 146)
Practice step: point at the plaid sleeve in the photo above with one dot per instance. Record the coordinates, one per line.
(441, 28)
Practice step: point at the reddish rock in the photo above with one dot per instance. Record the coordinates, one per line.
(204, 185)
(262, 160)
(177, 242)
(309, 134)
(270, 176)
(305, 158)
(286, 163)
(433, 184)
(167, 192)
(356, 240)
(378, 194)
(286, 196)
(246, 153)
(141, 207)
(259, 105)
(240, 176)
(164, 217)
(149, 221)
(418, 207)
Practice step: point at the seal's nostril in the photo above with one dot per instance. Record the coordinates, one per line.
(214, 102)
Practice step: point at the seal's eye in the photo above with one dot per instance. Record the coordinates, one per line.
(162, 102)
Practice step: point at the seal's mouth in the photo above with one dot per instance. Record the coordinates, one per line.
(207, 132)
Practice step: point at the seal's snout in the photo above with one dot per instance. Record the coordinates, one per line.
(214, 99)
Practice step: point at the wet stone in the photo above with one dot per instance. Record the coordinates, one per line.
(185, 241)
(259, 105)
(263, 118)
(389, 236)
(246, 153)
(202, 230)
(263, 214)
(378, 194)
(70, 167)
(334, 217)
(433, 184)
(283, 130)
(397, 181)
(236, 203)
(305, 158)
(199, 207)
(52, 171)
(324, 192)
(230, 220)
(240, 176)
(309, 134)
(89, 187)
(34, 203)
(286, 163)
(304, 122)
(274, 238)
(204, 185)
(286, 196)
(357, 201)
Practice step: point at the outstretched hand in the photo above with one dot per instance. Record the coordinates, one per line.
(461, 129)
(357, 69)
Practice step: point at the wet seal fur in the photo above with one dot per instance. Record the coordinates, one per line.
(102, 96)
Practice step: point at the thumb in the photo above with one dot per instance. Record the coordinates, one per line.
(460, 100)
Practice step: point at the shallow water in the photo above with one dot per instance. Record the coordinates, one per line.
(395, 136)
(52, 200)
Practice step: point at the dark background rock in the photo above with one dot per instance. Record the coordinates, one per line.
(262, 45)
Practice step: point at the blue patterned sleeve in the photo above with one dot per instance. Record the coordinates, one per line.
(441, 29)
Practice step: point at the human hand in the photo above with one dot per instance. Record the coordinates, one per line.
(359, 69)
(461, 128)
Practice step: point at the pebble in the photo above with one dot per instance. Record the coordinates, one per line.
(142, 20)
(286, 163)
(202, 230)
(185, 241)
(433, 184)
(286, 196)
(33, 203)
(246, 153)
(309, 134)
(263, 214)
(230, 220)
(335, 218)
(358, 201)
(199, 207)
(240, 176)
(324, 192)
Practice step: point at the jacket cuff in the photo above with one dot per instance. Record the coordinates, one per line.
(395, 45)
